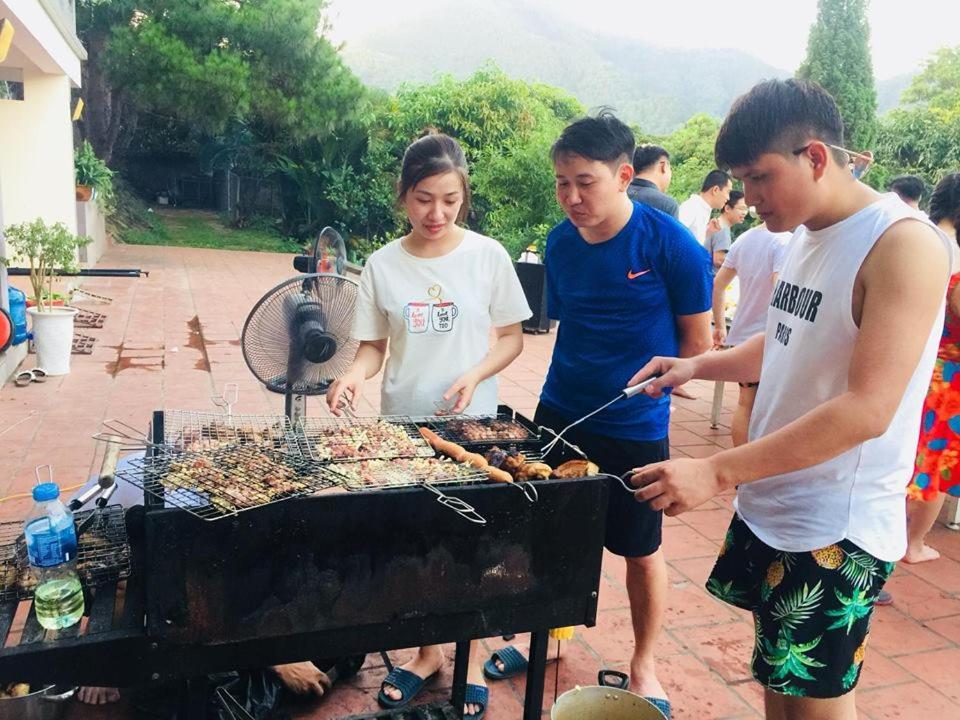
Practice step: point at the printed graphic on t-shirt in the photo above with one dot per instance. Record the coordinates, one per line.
(435, 314)
(801, 302)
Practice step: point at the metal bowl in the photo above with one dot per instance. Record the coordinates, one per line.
(48, 703)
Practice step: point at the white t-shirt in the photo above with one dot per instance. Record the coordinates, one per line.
(694, 214)
(437, 314)
(755, 256)
(810, 336)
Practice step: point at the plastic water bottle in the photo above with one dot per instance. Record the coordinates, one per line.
(52, 551)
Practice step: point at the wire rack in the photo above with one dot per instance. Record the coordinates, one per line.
(349, 439)
(103, 553)
(228, 480)
(483, 430)
(191, 431)
(404, 472)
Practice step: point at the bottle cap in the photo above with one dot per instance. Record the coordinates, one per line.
(45, 491)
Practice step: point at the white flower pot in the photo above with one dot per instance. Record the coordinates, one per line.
(53, 338)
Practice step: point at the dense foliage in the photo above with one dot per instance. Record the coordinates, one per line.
(254, 88)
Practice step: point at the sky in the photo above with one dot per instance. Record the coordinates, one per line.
(903, 34)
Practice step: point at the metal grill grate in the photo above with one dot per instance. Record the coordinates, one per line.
(103, 553)
(405, 472)
(190, 431)
(483, 430)
(348, 439)
(226, 481)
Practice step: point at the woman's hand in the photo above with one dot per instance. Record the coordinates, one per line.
(351, 383)
(464, 386)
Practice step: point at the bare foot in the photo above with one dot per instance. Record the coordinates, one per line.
(98, 695)
(426, 662)
(925, 554)
(682, 392)
(474, 677)
(643, 680)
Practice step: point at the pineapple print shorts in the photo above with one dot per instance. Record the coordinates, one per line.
(811, 610)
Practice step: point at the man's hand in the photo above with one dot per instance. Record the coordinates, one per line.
(303, 678)
(673, 372)
(713, 227)
(676, 486)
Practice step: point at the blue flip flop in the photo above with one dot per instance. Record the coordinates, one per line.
(477, 695)
(514, 663)
(408, 683)
(661, 704)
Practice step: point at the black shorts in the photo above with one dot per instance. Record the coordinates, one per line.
(633, 529)
(811, 610)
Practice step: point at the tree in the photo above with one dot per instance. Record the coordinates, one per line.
(838, 58)
(938, 85)
(206, 64)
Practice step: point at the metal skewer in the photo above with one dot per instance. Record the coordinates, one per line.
(628, 392)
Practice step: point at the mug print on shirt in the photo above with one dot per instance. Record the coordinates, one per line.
(435, 314)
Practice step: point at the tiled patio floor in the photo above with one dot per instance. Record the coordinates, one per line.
(171, 340)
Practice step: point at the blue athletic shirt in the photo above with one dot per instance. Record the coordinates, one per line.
(616, 302)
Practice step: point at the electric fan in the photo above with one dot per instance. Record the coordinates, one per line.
(296, 340)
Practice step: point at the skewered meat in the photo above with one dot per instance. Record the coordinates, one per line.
(480, 429)
(576, 468)
(235, 478)
(373, 439)
(402, 471)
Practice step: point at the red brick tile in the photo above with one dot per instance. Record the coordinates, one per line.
(725, 648)
(710, 522)
(696, 692)
(904, 702)
(894, 634)
(949, 627)
(682, 541)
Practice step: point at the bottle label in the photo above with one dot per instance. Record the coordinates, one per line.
(48, 546)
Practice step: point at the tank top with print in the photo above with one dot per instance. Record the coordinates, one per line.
(810, 336)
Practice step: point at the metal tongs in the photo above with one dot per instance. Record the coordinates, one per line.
(127, 437)
(459, 506)
(627, 392)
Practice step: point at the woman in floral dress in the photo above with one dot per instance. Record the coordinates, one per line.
(937, 473)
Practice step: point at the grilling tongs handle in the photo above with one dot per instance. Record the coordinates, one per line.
(461, 507)
(639, 387)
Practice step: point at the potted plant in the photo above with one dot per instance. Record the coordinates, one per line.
(47, 248)
(92, 175)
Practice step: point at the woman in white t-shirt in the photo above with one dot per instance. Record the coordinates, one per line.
(433, 297)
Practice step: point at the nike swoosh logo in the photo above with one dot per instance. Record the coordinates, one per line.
(634, 275)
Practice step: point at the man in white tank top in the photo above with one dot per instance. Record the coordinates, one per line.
(843, 364)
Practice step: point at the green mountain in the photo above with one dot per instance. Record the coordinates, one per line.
(655, 87)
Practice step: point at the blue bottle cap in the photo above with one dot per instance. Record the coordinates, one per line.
(45, 491)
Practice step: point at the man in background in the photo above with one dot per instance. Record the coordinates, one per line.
(909, 188)
(695, 211)
(652, 175)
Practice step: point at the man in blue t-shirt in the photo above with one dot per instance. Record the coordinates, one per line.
(627, 283)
